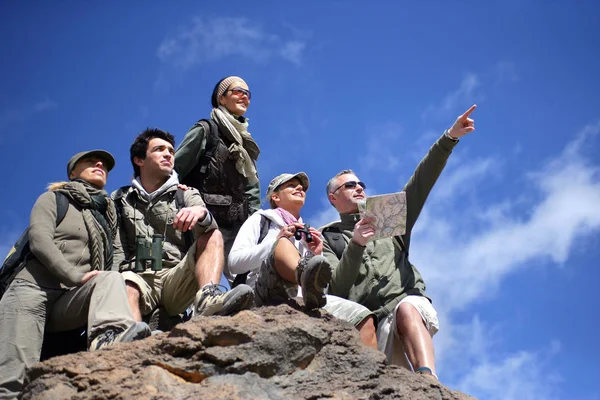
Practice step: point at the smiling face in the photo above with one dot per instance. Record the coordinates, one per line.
(345, 199)
(159, 161)
(290, 195)
(92, 169)
(235, 101)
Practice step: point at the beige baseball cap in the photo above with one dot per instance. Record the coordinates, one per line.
(109, 160)
(283, 178)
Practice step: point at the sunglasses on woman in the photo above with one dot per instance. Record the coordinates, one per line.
(350, 185)
(238, 91)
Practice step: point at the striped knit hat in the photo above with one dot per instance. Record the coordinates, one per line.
(225, 83)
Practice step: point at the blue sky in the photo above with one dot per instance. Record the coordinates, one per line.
(508, 242)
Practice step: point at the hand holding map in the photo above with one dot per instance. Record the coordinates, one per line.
(389, 212)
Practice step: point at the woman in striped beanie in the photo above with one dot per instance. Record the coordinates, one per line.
(218, 157)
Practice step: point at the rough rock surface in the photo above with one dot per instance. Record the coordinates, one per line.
(266, 353)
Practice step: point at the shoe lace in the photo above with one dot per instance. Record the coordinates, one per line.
(106, 337)
(302, 263)
(216, 289)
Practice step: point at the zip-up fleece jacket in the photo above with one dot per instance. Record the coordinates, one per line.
(379, 275)
(138, 217)
(61, 255)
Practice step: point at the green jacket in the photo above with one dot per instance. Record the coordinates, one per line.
(379, 275)
(189, 153)
(61, 255)
(138, 217)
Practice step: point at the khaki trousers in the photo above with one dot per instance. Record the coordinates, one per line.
(26, 310)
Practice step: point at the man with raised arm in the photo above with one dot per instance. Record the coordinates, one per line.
(377, 273)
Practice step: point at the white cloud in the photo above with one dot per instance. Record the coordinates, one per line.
(464, 179)
(461, 96)
(483, 254)
(21, 114)
(505, 71)
(292, 51)
(377, 157)
(492, 374)
(210, 39)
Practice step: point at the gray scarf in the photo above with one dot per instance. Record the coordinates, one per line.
(100, 219)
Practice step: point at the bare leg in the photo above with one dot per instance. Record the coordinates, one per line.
(415, 337)
(133, 297)
(209, 258)
(366, 329)
(286, 260)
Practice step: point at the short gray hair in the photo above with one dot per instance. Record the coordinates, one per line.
(332, 182)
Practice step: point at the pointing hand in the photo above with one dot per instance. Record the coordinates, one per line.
(463, 124)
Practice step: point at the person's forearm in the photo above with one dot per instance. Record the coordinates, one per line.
(424, 178)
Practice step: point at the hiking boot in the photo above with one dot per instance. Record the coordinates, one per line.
(211, 300)
(313, 275)
(137, 331)
(425, 371)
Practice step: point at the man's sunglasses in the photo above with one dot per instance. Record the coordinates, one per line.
(240, 91)
(350, 185)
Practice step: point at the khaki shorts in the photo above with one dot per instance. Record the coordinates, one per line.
(173, 288)
(390, 343)
(346, 310)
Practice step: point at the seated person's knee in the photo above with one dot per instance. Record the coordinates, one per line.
(368, 334)
(407, 314)
(133, 291)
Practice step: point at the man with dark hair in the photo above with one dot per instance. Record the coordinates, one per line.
(189, 269)
(377, 273)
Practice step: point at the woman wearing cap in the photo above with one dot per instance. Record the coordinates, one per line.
(275, 262)
(66, 281)
(218, 157)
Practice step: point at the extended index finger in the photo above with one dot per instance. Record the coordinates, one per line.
(468, 112)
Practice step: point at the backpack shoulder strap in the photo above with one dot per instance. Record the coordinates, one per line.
(118, 203)
(401, 243)
(212, 139)
(20, 252)
(265, 224)
(179, 199)
(188, 236)
(62, 205)
(336, 241)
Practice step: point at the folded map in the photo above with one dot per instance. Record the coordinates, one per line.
(389, 211)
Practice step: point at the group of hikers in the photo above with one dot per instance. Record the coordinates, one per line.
(192, 214)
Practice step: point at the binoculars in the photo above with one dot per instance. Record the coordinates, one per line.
(299, 231)
(147, 252)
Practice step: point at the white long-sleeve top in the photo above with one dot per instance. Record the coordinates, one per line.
(247, 255)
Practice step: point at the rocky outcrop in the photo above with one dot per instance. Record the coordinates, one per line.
(266, 353)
